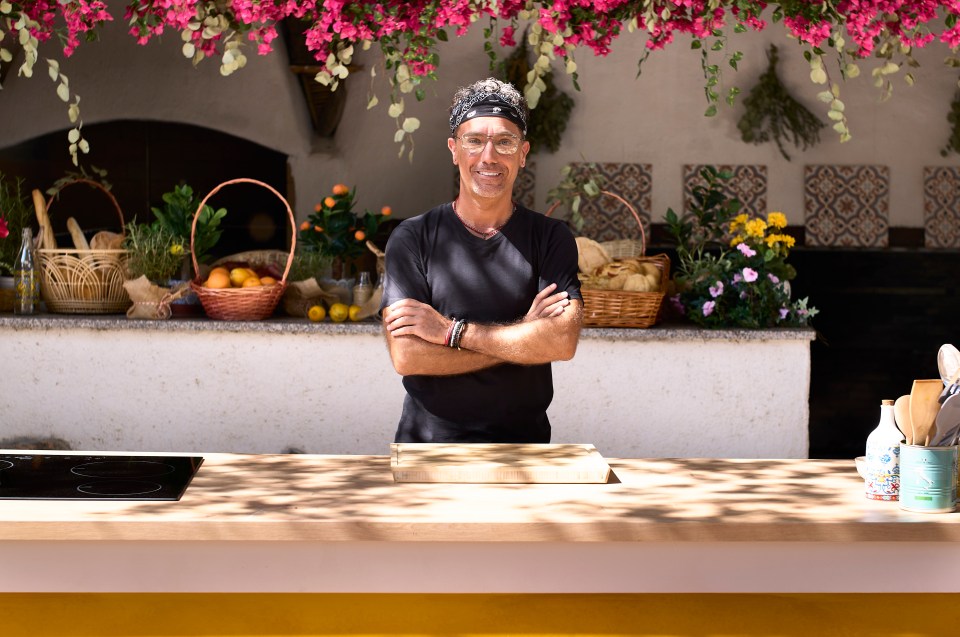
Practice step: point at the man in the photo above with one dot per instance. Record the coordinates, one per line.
(481, 294)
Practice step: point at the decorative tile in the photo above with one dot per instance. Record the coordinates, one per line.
(941, 207)
(524, 188)
(748, 184)
(605, 218)
(846, 206)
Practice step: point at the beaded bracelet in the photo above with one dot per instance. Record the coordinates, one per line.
(446, 339)
(458, 333)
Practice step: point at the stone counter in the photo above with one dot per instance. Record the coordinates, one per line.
(197, 385)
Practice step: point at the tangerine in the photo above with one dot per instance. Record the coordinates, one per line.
(340, 189)
(386, 211)
(267, 280)
(238, 276)
(329, 202)
(251, 282)
(359, 235)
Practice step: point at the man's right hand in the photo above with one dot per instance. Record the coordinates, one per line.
(547, 303)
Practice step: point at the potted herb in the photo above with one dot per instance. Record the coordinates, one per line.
(15, 215)
(154, 252)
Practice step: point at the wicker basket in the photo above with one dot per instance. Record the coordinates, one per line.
(240, 304)
(82, 281)
(619, 308)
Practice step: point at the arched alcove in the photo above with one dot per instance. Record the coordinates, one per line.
(145, 159)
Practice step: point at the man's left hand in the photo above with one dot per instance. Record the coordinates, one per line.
(408, 317)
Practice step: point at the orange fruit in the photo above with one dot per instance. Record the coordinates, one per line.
(329, 202)
(267, 280)
(354, 312)
(219, 279)
(339, 312)
(251, 282)
(305, 225)
(318, 207)
(219, 268)
(318, 228)
(316, 313)
(386, 211)
(359, 235)
(340, 189)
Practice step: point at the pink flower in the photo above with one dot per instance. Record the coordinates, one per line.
(4, 229)
(784, 312)
(773, 278)
(708, 308)
(750, 275)
(716, 290)
(746, 250)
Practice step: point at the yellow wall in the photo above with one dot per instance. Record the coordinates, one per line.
(236, 615)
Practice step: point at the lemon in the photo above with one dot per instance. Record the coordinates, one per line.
(316, 313)
(238, 276)
(354, 312)
(339, 312)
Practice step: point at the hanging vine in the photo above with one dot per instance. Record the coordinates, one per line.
(772, 114)
(953, 143)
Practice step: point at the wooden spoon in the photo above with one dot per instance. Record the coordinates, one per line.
(901, 412)
(924, 405)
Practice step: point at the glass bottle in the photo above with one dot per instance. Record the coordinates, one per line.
(25, 276)
(363, 290)
(883, 457)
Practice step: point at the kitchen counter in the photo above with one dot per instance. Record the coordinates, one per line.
(304, 545)
(198, 385)
(290, 523)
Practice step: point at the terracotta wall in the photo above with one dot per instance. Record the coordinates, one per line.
(655, 119)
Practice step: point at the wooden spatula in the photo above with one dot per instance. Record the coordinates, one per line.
(924, 405)
(901, 412)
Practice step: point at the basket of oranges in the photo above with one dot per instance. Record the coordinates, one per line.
(239, 294)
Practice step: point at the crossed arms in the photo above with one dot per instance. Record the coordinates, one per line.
(416, 334)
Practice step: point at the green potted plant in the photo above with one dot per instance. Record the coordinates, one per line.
(15, 215)
(176, 216)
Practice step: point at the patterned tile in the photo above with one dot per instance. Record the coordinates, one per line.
(524, 188)
(748, 184)
(605, 218)
(846, 206)
(941, 207)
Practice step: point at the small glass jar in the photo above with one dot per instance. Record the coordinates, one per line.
(363, 290)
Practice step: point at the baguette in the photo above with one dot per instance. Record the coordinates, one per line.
(45, 232)
(106, 240)
(79, 241)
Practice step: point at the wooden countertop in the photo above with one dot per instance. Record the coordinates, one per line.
(354, 498)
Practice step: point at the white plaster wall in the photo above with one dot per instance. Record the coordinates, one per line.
(656, 118)
(257, 392)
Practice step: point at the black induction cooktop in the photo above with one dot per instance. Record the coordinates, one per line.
(30, 476)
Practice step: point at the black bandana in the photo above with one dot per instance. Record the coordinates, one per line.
(488, 104)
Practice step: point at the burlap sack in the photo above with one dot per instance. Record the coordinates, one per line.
(151, 301)
(300, 296)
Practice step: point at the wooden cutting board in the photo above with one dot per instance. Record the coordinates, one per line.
(500, 463)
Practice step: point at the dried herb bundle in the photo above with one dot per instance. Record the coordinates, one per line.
(549, 119)
(953, 143)
(772, 113)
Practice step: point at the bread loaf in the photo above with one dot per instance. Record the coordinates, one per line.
(79, 241)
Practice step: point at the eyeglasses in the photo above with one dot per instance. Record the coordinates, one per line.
(504, 144)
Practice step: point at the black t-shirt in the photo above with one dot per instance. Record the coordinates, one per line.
(434, 259)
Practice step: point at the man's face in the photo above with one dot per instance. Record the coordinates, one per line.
(485, 172)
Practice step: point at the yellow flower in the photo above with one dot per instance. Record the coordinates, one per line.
(176, 249)
(738, 221)
(784, 239)
(777, 220)
(755, 227)
(737, 239)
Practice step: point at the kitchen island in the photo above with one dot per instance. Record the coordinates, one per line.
(311, 545)
(110, 383)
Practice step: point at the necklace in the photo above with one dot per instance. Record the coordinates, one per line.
(483, 234)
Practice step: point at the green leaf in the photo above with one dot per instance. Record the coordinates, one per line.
(442, 35)
(711, 111)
